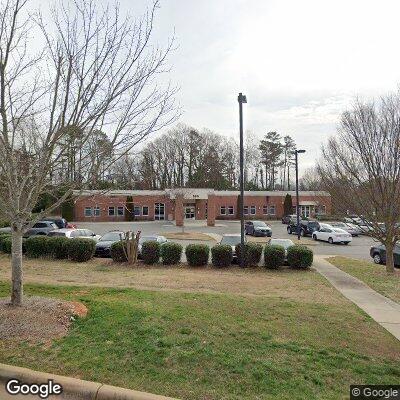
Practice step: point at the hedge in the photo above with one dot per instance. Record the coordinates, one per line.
(274, 256)
(3, 237)
(150, 252)
(81, 250)
(252, 253)
(299, 257)
(36, 246)
(171, 253)
(197, 254)
(117, 252)
(6, 244)
(221, 255)
(57, 247)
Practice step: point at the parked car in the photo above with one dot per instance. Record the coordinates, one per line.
(285, 243)
(72, 233)
(60, 222)
(328, 233)
(307, 227)
(354, 230)
(157, 238)
(286, 219)
(6, 229)
(257, 228)
(364, 225)
(103, 246)
(41, 228)
(231, 240)
(378, 254)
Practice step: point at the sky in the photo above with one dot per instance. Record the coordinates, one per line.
(300, 63)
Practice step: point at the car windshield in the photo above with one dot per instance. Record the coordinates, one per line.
(112, 236)
(259, 224)
(56, 233)
(282, 242)
(230, 240)
(313, 224)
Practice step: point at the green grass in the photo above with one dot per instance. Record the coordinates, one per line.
(373, 275)
(206, 346)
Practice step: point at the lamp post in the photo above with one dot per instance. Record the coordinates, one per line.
(241, 99)
(296, 153)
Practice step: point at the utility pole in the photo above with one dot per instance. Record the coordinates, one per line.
(296, 153)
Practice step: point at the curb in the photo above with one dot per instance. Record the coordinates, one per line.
(73, 389)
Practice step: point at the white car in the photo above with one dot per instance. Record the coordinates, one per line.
(72, 233)
(285, 243)
(157, 238)
(330, 234)
(232, 240)
(354, 230)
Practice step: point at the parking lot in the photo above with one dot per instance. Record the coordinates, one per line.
(358, 248)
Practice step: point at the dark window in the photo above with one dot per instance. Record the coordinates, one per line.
(145, 211)
(88, 211)
(96, 211)
(253, 210)
(111, 211)
(136, 210)
(246, 210)
(120, 211)
(230, 210)
(223, 210)
(265, 210)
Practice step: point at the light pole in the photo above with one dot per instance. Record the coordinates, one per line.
(296, 153)
(241, 99)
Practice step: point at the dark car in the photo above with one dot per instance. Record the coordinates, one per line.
(287, 219)
(41, 228)
(378, 254)
(257, 228)
(103, 246)
(307, 227)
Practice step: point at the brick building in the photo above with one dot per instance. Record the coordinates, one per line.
(202, 204)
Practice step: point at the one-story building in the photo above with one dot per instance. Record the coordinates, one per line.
(188, 203)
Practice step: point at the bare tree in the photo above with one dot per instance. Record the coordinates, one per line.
(361, 165)
(97, 72)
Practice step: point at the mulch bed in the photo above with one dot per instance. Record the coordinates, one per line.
(39, 319)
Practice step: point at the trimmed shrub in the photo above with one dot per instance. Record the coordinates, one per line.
(36, 246)
(171, 253)
(221, 255)
(252, 253)
(81, 250)
(117, 252)
(274, 256)
(6, 245)
(3, 236)
(151, 252)
(197, 254)
(300, 257)
(57, 247)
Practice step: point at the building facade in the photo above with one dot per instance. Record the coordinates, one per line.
(200, 204)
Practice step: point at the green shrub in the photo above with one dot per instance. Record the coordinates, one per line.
(197, 254)
(81, 250)
(274, 256)
(150, 252)
(36, 246)
(118, 253)
(3, 236)
(299, 257)
(221, 255)
(252, 253)
(57, 247)
(6, 245)
(171, 253)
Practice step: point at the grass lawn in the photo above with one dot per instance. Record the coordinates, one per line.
(373, 275)
(290, 337)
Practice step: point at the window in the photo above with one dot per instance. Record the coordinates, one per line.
(136, 210)
(223, 210)
(111, 211)
(159, 211)
(246, 210)
(120, 211)
(145, 211)
(96, 211)
(230, 210)
(252, 210)
(265, 210)
(272, 210)
(88, 211)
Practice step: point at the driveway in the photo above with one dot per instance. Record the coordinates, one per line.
(358, 248)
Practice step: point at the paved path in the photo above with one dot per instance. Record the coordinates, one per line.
(383, 310)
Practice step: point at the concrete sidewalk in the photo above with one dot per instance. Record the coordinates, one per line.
(383, 310)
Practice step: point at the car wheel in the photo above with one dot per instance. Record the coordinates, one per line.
(289, 230)
(377, 258)
(330, 240)
(302, 233)
(314, 237)
(346, 243)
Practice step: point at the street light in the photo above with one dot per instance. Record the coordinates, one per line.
(296, 153)
(241, 99)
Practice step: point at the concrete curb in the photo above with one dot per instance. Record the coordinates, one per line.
(73, 389)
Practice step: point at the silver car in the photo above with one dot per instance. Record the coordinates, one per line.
(354, 230)
(148, 238)
(72, 233)
(232, 240)
(285, 243)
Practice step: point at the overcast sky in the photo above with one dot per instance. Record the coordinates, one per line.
(300, 63)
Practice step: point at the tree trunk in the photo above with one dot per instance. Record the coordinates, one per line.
(16, 269)
(389, 257)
